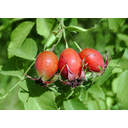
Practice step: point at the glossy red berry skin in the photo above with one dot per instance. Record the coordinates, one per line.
(70, 58)
(46, 65)
(93, 59)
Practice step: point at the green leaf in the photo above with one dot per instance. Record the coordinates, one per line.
(122, 90)
(96, 104)
(109, 102)
(0, 35)
(70, 21)
(44, 26)
(83, 95)
(67, 21)
(19, 35)
(123, 37)
(53, 37)
(115, 23)
(112, 64)
(59, 100)
(73, 21)
(116, 58)
(101, 104)
(97, 90)
(27, 51)
(0, 67)
(105, 76)
(74, 104)
(92, 105)
(117, 70)
(9, 22)
(115, 85)
(35, 97)
(10, 68)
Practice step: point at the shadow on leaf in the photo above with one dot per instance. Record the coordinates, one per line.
(35, 90)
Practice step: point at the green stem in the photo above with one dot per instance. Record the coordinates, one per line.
(75, 42)
(64, 34)
(10, 90)
(65, 38)
(17, 82)
(77, 46)
(62, 22)
(29, 67)
(70, 94)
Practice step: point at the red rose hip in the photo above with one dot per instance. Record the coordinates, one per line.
(46, 65)
(70, 64)
(93, 59)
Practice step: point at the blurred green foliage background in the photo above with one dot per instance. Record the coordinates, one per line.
(102, 39)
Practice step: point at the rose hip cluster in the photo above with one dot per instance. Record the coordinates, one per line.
(72, 66)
